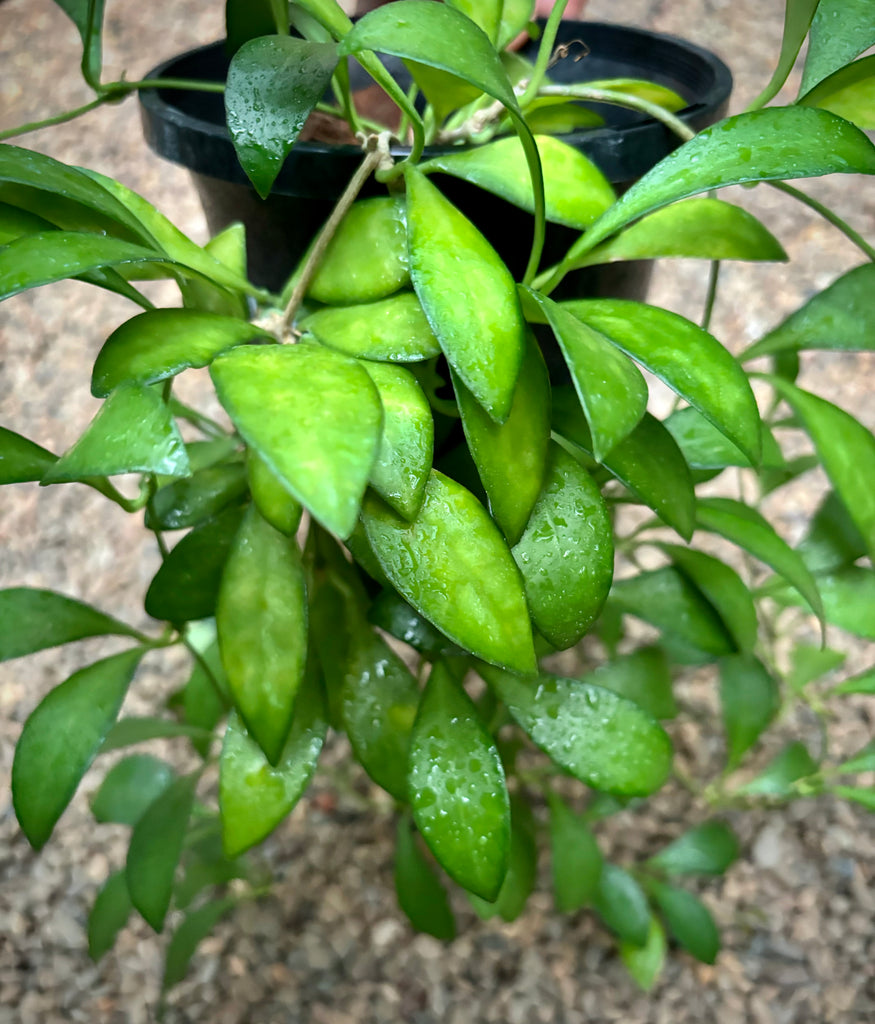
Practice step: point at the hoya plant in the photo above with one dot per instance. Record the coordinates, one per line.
(404, 518)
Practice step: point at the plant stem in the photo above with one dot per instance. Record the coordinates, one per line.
(197, 419)
(622, 99)
(67, 115)
(711, 294)
(165, 83)
(373, 158)
(545, 52)
(108, 490)
(828, 215)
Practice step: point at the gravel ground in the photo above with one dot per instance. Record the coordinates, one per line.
(329, 945)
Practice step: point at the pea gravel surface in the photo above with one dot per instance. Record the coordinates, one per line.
(329, 946)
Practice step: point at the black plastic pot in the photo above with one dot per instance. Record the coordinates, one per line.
(189, 128)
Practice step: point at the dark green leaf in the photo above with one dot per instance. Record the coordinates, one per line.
(380, 698)
(706, 447)
(750, 700)
(273, 84)
(87, 16)
(129, 787)
(249, 19)
(832, 541)
(109, 914)
(155, 848)
(643, 677)
(576, 859)
(420, 894)
(706, 849)
(566, 553)
(522, 868)
(794, 762)
(601, 738)
(32, 620)
(129, 731)
(61, 738)
(391, 613)
(194, 927)
(313, 415)
(162, 343)
(808, 663)
(645, 963)
(188, 502)
(457, 788)
(22, 460)
(689, 360)
(841, 30)
(688, 920)
(622, 905)
(452, 564)
(186, 586)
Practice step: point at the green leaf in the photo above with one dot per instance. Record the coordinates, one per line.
(466, 291)
(87, 16)
(484, 13)
(162, 343)
(642, 677)
(400, 472)
(190, 501)
(622, 905)
(750, 699)
(576, 191)
(515, 15)
(862, 761)
(645, 963)
(832, 541)
(707, 229)
(366, 258)
(194, 927)
(864, 797)
(229, 248)
(863, 683)
(522, 869)
(61, 738)
(22, 460)
(688, 920)
(576, 860)
(394, 615)
(668, 600)
(744, 526)
(133, 432)
(560, 115)
(566, 553)
(186, 586)
(794, 762)
(313, 415)
(109, 914)
(274, 82)
(706, 849)
(261, 622)
(391, 330)
(706, 447)
(453, 566)
(249, 19)
(848, 92)
(611, 389)
(420, 894)
(762, 145)
(127, 732)
(379, 698)
(648, 462)
(155, 848)
(457, 788)
(723, 588)
(846, 449)
(32, 620)
(511, 456)
(841, 318)
(689, 360)
(438, 36)
(255, 796)
(604, 740)
(848, 599)
(840, 31)
(129, 787)
(271, 496)
(444, 92)
(797, 19)
(808, 663)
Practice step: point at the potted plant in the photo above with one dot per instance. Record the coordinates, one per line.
(403, 523)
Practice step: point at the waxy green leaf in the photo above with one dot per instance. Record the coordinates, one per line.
(794, 762)
(274, 82)
(155, 849)
(249, 19)
(522, 868)
(255, 796)
(511, 456)
(688, 920)
(61, 738)
(403, 462)
(750, 700)
(457, 788)
(611, 389)
(706, 447)
(379, 700)
(848, 599)
(797, 20)
(110, 913)
(566, 553)
(840, 30)
(186, 585)
(128, 732)
(261, 622)
(391, 330)
(467, 293)
(129, 787)
(133, 432)
(393, 614)
(484, 13)
(420, 894)
(761, 145)
(313, 415)
(87, 16)
(849, 92)
(706, 849)
(645, 963)
(452, 564)
(576, 860)
(689, 360)
(32, 620)
(620, 902)
(707, 229)
(643, 677)
(22, 460)
(576, 191)
(271, 496)
(602, 739)
(191, 500)
(162, 343)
